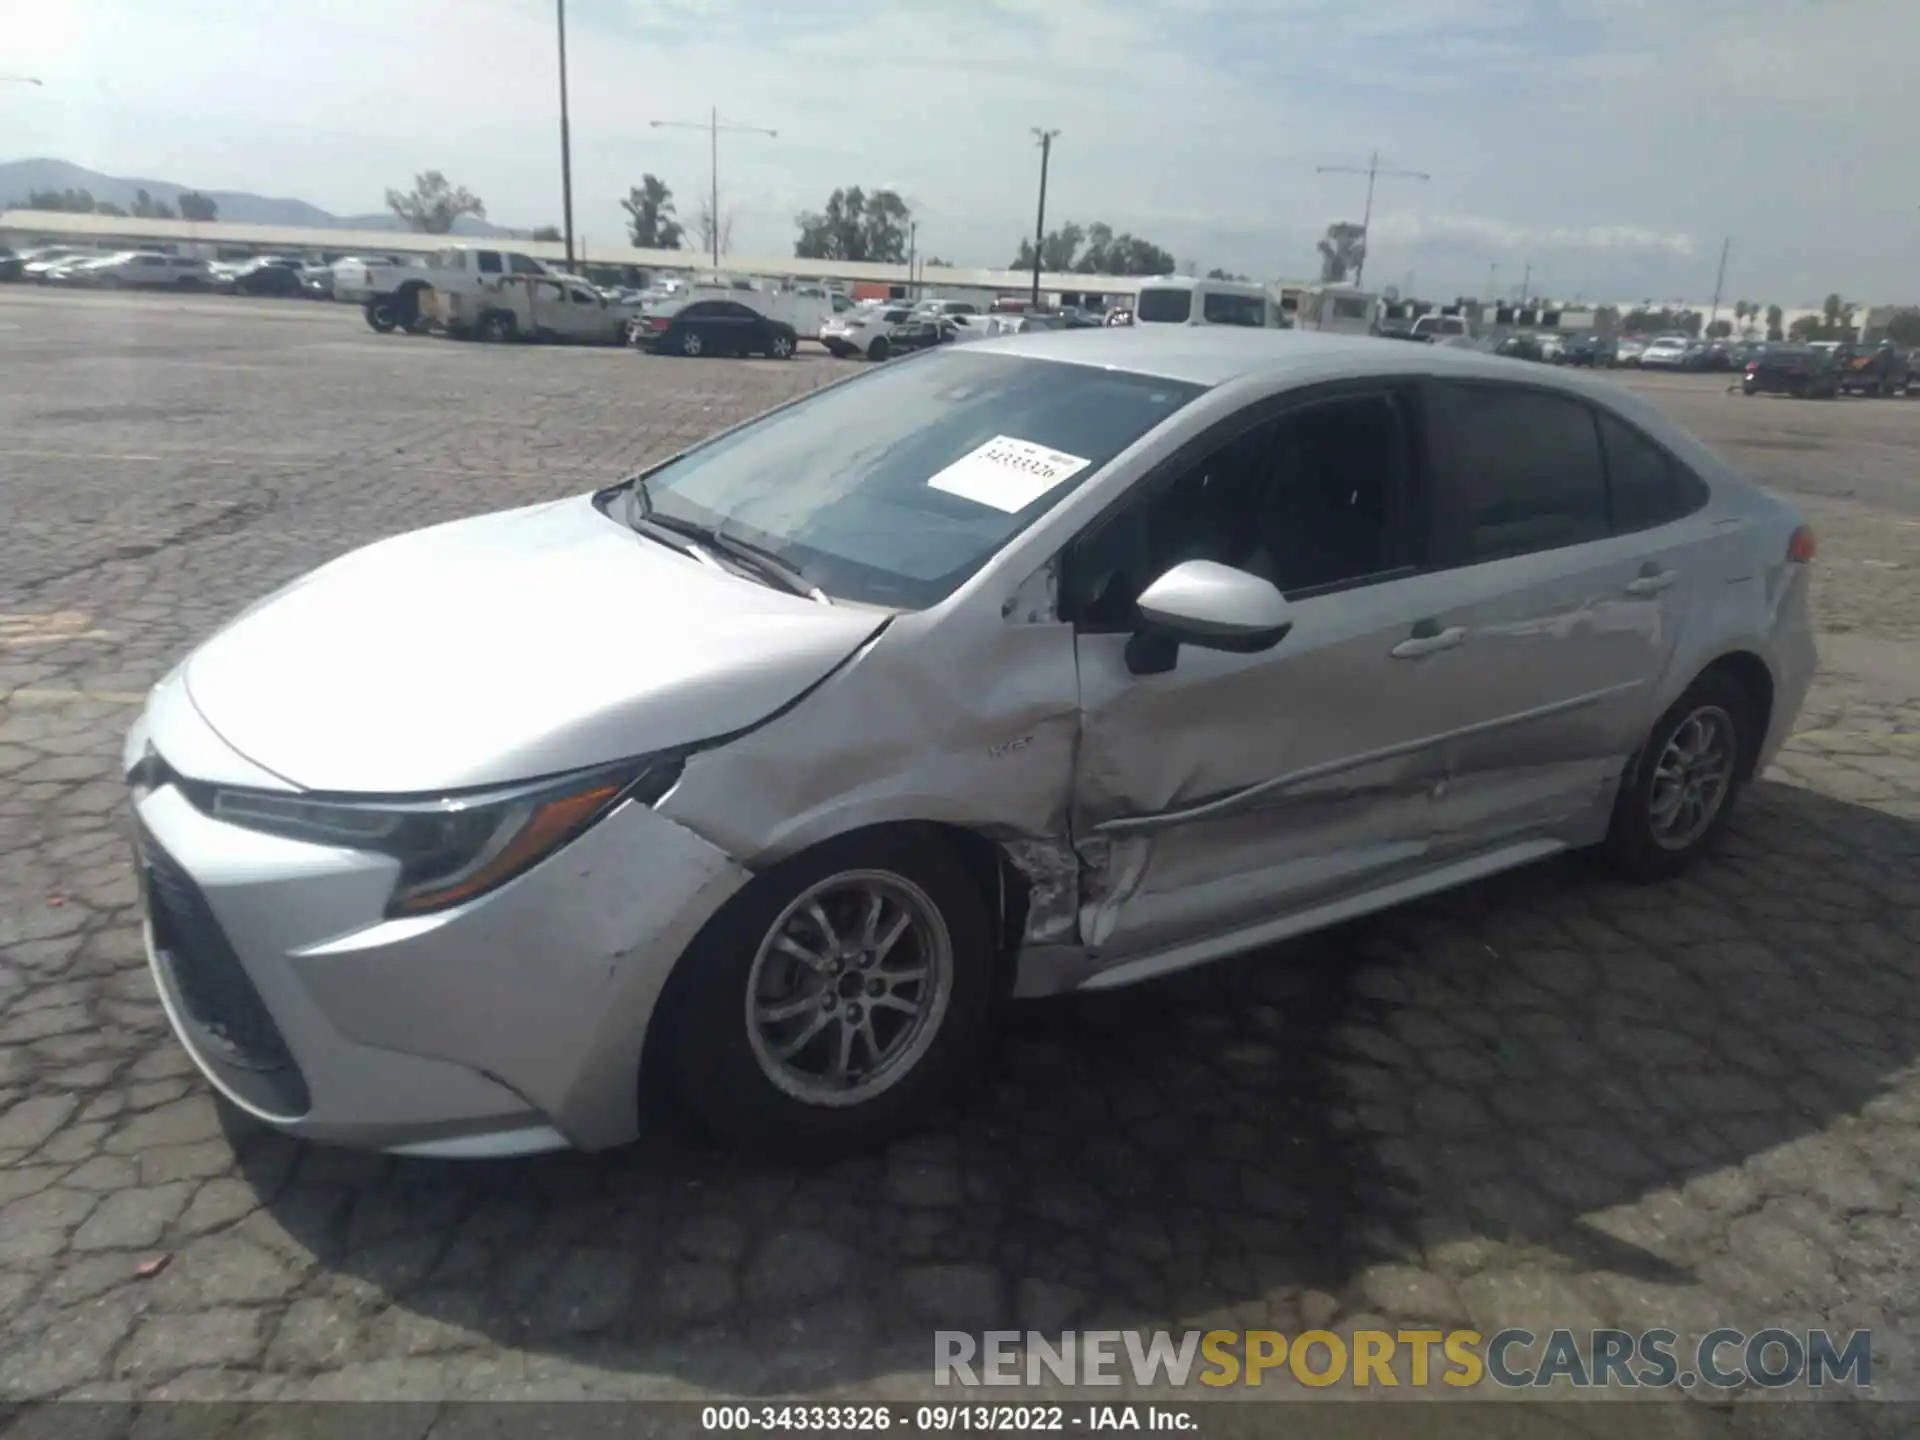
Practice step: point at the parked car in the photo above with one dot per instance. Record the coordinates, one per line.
(1628, 350)
(10, 263)
(1873, 369)
(878, 331)
(1588, 349)
(1430, 328)
(133, 269)
(1668, 352)
(715, 327)
(902, 720)
(1521, 346)
(265, 276)
(1798, 370)
(37, 263)
(1119, 315)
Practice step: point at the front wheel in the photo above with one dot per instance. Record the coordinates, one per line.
(500, 328)
(832, 1003)
(878, 350)
(381, 316)
(691, 343)
(781, 347)
(1678, 794)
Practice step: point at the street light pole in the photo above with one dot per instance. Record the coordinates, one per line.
(566, 138)
(713, 127)
(1046, 138)
(1372, 170)
(1719, 281)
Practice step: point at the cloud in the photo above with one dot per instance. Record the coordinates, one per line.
(1625, 138)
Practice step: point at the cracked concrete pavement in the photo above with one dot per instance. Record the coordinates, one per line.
(1550, 1099)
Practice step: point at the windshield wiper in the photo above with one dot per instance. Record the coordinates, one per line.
(701, 540)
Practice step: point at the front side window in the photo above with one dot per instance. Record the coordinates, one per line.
(1527, 468)
(1221, 309)
(1313, 499)
(581, 297)
(524, 265)
(1165, 306)
(489, 262)
(891, 489)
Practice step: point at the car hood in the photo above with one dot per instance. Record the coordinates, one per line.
(503, 648)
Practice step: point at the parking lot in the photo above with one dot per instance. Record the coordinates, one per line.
(1548, 1100)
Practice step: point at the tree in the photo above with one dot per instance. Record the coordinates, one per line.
(549, 233)
(1774, 317)
(1645, 317)
(934, 262)
(68, 202)
(1342, 250)
(1838, 315)
(1606, 319)
(195, 206)
(1904, 328)
(432, 205)
(1218, 274)
(1105, 254)
(855, 226)
(1719, 329)
(1807, 327)
(704, 226)
(651, 223)
(148, 208)
(107, 207)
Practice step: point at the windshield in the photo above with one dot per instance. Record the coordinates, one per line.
(1165, 306)
(891, 489)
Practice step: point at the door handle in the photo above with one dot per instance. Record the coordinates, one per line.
(1418, 644)
(1652, 583)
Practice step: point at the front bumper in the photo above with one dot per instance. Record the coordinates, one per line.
(512, 1024)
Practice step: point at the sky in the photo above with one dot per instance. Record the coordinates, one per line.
(1610, 145)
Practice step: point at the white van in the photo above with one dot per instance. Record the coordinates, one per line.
(1181, 300)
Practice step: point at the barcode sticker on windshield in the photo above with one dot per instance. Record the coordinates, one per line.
(1007, 474)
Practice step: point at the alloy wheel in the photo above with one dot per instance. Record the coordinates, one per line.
(849, 988)
(1693, 777)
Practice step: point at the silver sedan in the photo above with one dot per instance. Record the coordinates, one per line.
(1038, 664)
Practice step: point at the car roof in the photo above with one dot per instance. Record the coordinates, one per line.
(1216, 354)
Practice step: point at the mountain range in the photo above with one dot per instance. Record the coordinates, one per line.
(20, 178)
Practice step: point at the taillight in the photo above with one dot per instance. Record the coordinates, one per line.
(1801, 547)
(655, 324)
(1753, 367)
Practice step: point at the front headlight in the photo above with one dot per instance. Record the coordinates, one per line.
(454, 848)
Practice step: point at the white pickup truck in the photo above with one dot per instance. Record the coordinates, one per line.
(451, 283)
(532, 307)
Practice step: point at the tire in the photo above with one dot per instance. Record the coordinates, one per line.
(722, 1065)
(381, 315)
(1747, 387)
(499, 327)
(691, 344)
(879, 350)
(1642, 845)
(780, 347)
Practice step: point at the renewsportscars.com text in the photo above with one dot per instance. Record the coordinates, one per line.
(1723, 1359)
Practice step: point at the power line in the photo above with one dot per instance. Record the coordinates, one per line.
(1372, 170)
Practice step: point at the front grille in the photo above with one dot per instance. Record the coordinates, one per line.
(231, 1024)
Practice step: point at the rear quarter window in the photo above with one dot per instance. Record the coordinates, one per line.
(1164, 307)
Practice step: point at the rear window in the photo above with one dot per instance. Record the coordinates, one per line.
(893, 488)
(1346, 307)
(1167, 306)
(1218, 309)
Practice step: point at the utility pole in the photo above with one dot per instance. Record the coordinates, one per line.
(1046, 138)
(913, 238)
(1526, 284)
(1372, 170)
(1719, 280)
(713, 127)
(566, 139)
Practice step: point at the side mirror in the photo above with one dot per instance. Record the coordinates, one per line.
(1213, 606)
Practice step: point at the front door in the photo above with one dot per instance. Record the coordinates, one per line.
(1566, 606)
(1237, 787)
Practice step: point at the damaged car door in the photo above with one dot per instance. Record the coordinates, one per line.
(1234, 780)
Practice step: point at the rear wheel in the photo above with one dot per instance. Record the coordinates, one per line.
(879, 349)
(380, 315)
(1678, 794)
(499, 327)
(831, 1003)
(781, 346)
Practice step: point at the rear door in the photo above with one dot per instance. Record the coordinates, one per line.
(1561, 615)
